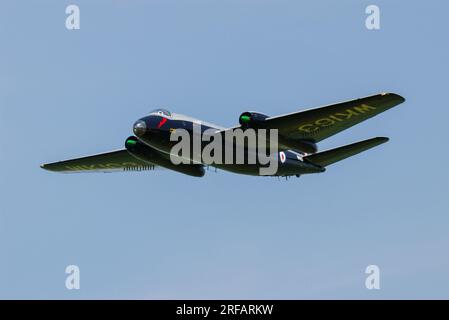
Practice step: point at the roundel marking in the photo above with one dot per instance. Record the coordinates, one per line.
(282, 156)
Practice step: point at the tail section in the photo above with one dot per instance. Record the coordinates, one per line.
(331, 156)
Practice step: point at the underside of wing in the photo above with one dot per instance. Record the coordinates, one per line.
(119, 160)
(320, 123)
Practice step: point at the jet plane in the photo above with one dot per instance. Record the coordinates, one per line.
(297, 152)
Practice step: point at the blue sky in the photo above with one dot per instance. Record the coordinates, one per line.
(164, 235)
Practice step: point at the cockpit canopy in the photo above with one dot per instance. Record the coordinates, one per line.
(161, 112)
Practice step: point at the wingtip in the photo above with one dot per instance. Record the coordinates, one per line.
(383, 139)
(398, 97)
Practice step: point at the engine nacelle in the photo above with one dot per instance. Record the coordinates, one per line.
(252, 119)
(151, 156)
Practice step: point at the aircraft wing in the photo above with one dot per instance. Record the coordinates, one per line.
(321, 123)
(119, 160)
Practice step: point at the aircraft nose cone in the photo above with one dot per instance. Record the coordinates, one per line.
(139, 128)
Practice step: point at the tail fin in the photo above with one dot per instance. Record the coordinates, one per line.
(331, 156)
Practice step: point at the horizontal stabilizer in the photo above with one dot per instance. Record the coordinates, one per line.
(331, 156)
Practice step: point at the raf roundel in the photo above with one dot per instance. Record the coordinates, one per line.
(282, 156)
